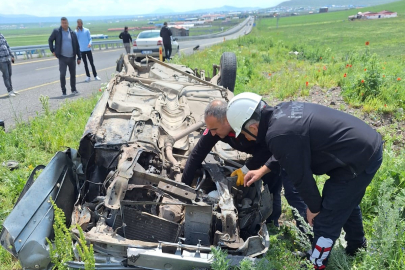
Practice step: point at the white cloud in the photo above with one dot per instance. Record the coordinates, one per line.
(45, 8)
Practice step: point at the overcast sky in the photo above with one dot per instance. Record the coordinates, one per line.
(45, 8)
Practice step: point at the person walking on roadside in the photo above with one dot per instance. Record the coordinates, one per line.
(84, 38)
(166, 35)
(5, 65)
(66, 49)
(126, 39)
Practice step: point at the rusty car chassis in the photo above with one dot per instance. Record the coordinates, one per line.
(123, 187)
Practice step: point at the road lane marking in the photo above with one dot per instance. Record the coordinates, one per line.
(45, 84)
(36, 61)
(46, 67)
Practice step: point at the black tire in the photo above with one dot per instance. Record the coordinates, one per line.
(120, 64)
(228, 71)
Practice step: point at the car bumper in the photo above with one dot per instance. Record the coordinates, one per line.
(154, 52)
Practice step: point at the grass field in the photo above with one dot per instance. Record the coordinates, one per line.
(35, 35)
(335, 54)
(365, 59)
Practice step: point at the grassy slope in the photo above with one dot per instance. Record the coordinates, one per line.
(265, 67)
(372, 83)
(322, 3)
(335, 31)
(34, 144)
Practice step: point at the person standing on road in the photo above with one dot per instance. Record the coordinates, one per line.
(66, 49)
(166, 35)
(84, 37)
(126, 39)
(307, 139)
(5, 65)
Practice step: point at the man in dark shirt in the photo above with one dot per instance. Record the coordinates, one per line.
(218, 129)
(307, 139)
(66, 49)
(126, 39)
(166, 35)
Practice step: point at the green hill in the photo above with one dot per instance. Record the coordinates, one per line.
(320, 3)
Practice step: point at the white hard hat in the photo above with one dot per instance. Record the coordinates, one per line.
(240, 109)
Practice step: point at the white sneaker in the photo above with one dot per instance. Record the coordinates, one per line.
(97, 78)
(11, 94)
(15, 93)
(87, 79)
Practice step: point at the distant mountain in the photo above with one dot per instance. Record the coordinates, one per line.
(322, 3)
(222, 9)
(23, 19)
(163, 11)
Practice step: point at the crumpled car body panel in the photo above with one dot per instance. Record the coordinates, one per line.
(123, 184)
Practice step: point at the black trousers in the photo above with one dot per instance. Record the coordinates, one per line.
(340, 209)
(85, 55)
(64, 63)
(168, 50)
(275, 182)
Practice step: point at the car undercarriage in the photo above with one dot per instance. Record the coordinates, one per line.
(123, 185)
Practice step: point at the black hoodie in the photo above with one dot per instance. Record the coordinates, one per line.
(309, 139)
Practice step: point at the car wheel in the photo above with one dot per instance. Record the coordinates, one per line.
(228, 68)
(120, 64)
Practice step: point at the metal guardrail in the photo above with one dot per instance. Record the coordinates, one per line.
(28, 51)
(42, 49)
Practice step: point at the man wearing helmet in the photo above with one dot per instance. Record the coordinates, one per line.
(218, 129)
(307, 139)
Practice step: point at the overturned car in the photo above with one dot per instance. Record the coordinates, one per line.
(122, 186)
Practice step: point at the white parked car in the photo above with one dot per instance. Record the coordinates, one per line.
(148, 43)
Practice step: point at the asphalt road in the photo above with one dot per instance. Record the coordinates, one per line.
(40, 76)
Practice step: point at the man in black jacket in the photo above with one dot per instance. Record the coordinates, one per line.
(66, 49)
(166, 35)
(308, 139)
(126, 39)
(218, 129)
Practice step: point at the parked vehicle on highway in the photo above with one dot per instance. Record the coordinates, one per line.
(149, 42)
(123, 186)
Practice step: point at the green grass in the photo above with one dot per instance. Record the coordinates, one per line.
(266, 67)
(330, 46)
(372, 79)
(36, 143)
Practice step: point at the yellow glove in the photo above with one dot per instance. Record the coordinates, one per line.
(241, 175)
